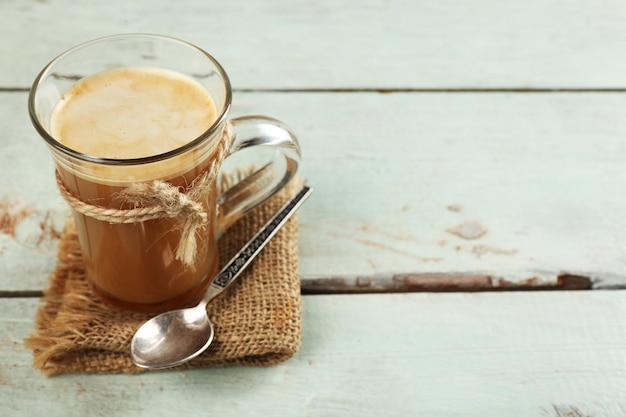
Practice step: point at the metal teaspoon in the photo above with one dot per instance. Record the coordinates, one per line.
(177, 336)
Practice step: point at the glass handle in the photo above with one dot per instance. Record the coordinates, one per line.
(263, 158)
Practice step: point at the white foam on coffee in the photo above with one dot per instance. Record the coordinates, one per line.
(132, 112)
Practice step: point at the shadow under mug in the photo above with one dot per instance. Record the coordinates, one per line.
(134, 265)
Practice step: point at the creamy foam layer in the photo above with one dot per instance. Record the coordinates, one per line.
(132, 112)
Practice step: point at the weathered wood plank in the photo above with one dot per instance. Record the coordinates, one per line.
(348, 44)
(506, 354)
(519, 189)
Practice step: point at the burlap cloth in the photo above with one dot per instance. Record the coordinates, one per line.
(257, 319)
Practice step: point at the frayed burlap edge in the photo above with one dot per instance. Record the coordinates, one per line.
(257, 320)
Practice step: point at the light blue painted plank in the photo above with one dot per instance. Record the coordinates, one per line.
(346, 43)
(401, 179)
(489, 354)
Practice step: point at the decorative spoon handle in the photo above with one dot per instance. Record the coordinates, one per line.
(243, 258)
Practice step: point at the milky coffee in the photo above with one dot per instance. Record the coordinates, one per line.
(133, 113)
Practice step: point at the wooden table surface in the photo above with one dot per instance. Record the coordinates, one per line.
(465, 251)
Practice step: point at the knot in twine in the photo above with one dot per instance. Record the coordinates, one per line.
(158, 200)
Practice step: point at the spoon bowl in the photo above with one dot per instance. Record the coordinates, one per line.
(174, 337)
(170, 339)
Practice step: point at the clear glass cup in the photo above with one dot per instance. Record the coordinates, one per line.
(133, 265)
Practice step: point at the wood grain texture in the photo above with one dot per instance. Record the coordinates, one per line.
(488, 354)
(520, 189)
(348, 44)
(447, 186)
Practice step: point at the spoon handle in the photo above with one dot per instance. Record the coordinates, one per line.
(242, 259)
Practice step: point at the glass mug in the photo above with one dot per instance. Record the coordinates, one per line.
(135, 265)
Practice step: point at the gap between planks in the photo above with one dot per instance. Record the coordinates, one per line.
(408, 283)
(452, 90)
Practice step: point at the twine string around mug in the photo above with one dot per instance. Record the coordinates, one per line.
(158, 200)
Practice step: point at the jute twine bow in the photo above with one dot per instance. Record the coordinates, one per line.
(159, 199)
